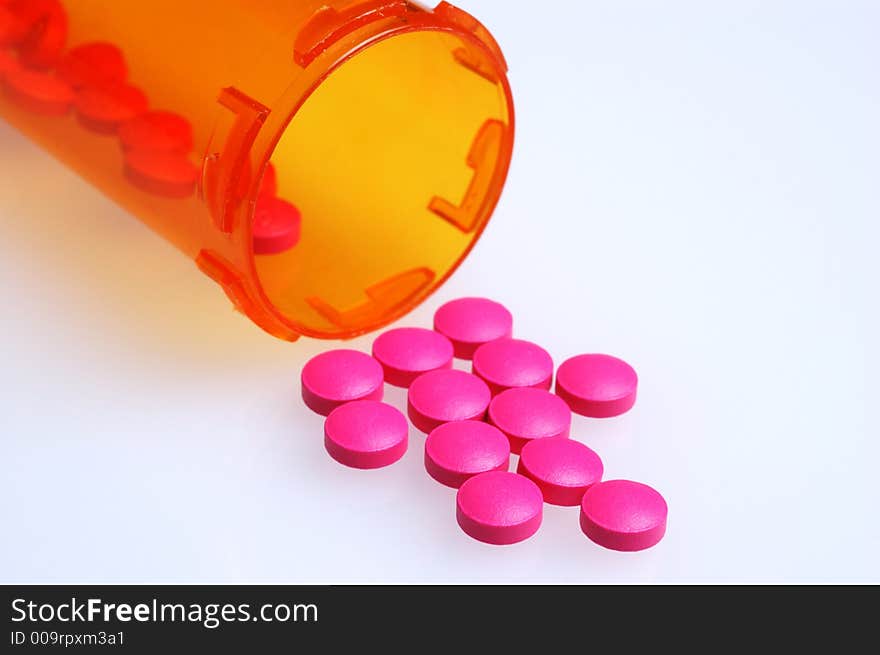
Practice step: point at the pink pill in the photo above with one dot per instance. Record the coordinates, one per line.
(406, 353)
(471, 322)
(340, 376)
(269, 183)
(104, 109)
(563, 469)
(46, 32)
(599, 386)
(38, 92)
(446, 395)
(12, 28)
(8, 63)
(457, 451)
(499, 507)
(526, 413)
(276, 227)
(95, 65)
(366, 434)
(508, 363)
(623, 515)
(165, 174)
(157, 131)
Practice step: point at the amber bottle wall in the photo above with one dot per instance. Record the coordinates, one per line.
(389, 127)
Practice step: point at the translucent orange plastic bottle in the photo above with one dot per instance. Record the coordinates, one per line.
(388, 125)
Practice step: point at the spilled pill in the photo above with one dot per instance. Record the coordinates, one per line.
(335, 377)
(599, 386)
(623, 515)
(508, 363)
(499, 507)
(471, 322)
(408, 352)
(446, 395)
(366, 434)
(457, 451)
(562, 468)
(526, 413)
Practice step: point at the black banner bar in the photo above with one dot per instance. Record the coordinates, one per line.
(278, 618)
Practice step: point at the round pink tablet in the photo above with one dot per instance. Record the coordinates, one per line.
(12, 28)
(269, 183)
(599, 386)
(623, 515)
(276, 227)
(340, 376)
(8, 63)
(499, 507)
(457, 451)
(157, 131)
(46, 35)
(104, 109)
(97, 65)
(366, 434)
(526, 413)
(508, 363)
(167, 174)
(406, 353)
(38, 92)
(562, 468)
(471, 322)
(446, 395)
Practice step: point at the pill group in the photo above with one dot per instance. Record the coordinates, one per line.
(42, 75)
(474, 421)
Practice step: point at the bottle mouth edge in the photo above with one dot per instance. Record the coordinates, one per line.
(298, 95)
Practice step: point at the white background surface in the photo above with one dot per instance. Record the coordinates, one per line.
(695, 189)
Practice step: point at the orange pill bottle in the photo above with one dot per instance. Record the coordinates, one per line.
(386, 128)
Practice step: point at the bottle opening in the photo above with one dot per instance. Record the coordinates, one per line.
(394, 164)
